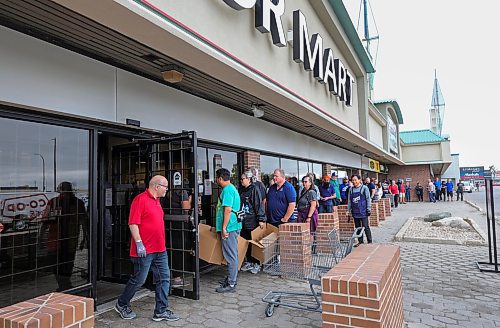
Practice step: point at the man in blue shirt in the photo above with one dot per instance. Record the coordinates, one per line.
(343, 190)
(449, 189)
(437, 183)
(228, 225)
(327, 194)
(281, 198)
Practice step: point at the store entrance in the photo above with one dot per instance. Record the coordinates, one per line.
(126, 166)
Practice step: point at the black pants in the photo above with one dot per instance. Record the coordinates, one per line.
(396, 200)
(365, 224)
(420, 197)
(461, 194)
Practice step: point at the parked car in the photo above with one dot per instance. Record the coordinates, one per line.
(469, 186)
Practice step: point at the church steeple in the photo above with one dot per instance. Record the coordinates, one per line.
(436, 111)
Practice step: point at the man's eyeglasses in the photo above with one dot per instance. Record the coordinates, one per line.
(162, 185)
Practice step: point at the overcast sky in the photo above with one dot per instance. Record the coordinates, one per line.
(458, 39)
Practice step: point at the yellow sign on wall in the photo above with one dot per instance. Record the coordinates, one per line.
(374, 165)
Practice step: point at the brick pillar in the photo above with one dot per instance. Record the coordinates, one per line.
(387, 206)
(251, 159)
(326, 170)
(326, 223)
(381, 210)
(374, 217)
(365, 289)
(50, 310)
(345, 228)
(295, 249)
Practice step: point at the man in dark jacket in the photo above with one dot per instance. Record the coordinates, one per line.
(255, 216)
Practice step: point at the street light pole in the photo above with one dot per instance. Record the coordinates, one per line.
(43, 171)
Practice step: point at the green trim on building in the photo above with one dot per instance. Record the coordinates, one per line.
(395, 105)
(419, 136)
(346, 22)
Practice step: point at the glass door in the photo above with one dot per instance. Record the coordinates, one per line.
(133, 165)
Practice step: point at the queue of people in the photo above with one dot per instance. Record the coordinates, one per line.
(241, 211)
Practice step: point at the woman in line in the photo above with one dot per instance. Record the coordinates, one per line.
(307, 204)
(379, 192)
(408, 191)
(255, 216)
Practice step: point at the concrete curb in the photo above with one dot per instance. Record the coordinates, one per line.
(400, 235)
(478, 230)
(474, 205)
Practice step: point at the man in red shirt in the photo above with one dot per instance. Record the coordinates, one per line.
(394, 190)
(147, 250)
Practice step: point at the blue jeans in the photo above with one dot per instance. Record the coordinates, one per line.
(325, 208)
(230, 253)
(432, 197)
(158, 262)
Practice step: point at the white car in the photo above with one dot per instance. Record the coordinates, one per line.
(468, 187)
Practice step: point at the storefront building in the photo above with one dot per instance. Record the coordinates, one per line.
(98, 96)
(426, 156)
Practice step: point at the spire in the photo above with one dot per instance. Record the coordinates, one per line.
(436, 111)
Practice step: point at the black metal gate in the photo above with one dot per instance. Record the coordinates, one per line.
(492, 264)
(133, 165)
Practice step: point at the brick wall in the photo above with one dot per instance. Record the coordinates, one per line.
(418, 173)
(381, 210)
(365, 289)
(251, 159)
(326, 223)
(51, 310)
(295, 249)
(345, 228)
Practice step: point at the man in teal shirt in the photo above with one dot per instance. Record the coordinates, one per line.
(336, 187)
(226, 223)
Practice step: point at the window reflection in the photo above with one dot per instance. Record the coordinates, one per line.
(267, 166)
(43, 209)
(210, 160)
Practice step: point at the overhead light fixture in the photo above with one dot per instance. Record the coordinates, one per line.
(257, 111)
(172, 74)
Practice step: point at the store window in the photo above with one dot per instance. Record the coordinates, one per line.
(209, 161)
(290, 166)
(44, 222)
(267, 166)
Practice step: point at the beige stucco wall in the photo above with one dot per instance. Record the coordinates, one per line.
(234, 32)
(422, 153)
(376, 132)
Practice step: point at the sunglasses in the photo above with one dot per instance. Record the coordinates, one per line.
(162, 185)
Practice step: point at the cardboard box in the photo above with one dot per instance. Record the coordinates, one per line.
(264, 242)
(210, 246)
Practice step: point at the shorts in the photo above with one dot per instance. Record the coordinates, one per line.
(402, 194)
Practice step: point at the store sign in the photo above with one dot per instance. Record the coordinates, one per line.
(472, 173)
(393, 135)
(307, 50)
(374, 165)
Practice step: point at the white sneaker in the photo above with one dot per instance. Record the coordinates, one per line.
(247, 266)
(255, 268)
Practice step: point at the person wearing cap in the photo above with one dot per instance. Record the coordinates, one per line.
(335, 184)
(343, 190)
(327, 194)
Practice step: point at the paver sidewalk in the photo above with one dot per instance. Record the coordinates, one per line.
(441, 284)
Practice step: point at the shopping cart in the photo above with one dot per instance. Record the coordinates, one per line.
(307, 262)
